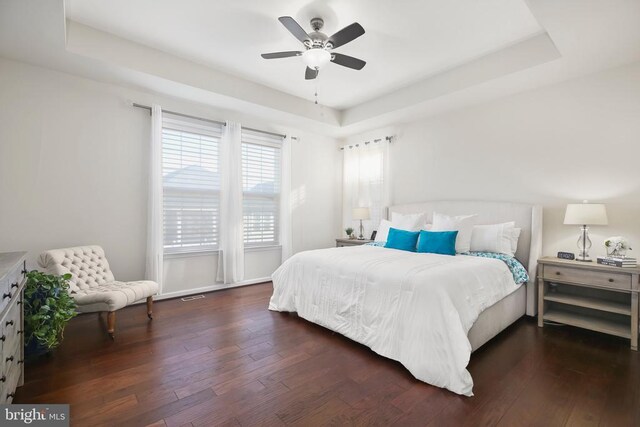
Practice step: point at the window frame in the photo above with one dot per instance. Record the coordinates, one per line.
(263, 139)
(200, 128)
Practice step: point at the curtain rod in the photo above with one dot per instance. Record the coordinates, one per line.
(146, 107)
(375, 141)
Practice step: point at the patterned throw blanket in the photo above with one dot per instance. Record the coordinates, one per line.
(518, 271)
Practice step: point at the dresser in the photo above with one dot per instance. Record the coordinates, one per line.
(590, 296)
(12, 281)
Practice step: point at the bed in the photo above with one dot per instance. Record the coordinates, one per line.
(429, 312)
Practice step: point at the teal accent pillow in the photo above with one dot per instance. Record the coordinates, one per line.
(402, 239)
(438, 242)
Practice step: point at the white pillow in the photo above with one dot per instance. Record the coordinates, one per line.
(383, 231)
(493, 238)
(409, 222)
(462, 223)
(515, 235)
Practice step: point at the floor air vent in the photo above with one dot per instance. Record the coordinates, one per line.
(192, 297)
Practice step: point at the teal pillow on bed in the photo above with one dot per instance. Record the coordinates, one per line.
(402, 239)
(438, 242)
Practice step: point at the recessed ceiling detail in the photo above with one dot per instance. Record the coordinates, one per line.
(405, 42)
(424, 57)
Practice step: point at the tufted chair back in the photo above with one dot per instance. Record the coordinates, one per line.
(87, 264)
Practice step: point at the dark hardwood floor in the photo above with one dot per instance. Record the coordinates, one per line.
(227, 360)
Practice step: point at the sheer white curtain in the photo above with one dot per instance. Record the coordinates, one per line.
(365, 183)
(285, 200)
(231, 253)
(155, 244)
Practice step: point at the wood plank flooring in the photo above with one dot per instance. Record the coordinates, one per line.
(227, 360)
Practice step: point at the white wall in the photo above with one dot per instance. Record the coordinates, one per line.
(556, 145)
(73, 171)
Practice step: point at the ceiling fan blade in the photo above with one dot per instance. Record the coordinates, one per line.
(275, 55)
(345, 35)
(347, 61)
(310, 74)
(295, 28)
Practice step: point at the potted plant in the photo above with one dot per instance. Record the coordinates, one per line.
(349, 232)
(47, 309)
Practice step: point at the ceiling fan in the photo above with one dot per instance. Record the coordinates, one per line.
(319, 47)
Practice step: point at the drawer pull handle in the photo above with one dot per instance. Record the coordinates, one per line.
(20, 361)
(557, 273)
(20, 331)
(9, 359)
(14, 285)
(11, 395)
(9, 323)
(2, 338)
(8, 295)
(610, 280)
(3, 379)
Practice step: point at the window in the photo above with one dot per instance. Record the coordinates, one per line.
(191, 184)
(261, 154)
(365, 183)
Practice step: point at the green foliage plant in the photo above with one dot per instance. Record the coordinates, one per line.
(48, 307)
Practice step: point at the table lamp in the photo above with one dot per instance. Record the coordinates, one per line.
(361, 213)
(584, 214)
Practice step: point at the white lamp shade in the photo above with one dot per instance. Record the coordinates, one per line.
(585, 214)
(315, 58)
(360, 213)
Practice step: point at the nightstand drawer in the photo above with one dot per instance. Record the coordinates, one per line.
(587, 277)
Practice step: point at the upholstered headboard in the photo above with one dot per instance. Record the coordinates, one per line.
(527, 217)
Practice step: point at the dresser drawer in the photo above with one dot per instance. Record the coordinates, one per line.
(10, 337)
(11, 322)
(603, 279)
(11, 359)
(8, 386)
(9, 286)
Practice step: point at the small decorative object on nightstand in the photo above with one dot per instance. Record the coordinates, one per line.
(351, 242)
(591, 296)
(617, 246)
(349, 232)
(584, 214)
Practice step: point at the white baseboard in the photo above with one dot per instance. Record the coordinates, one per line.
(211, 288)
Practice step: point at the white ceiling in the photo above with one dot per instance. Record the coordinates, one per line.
(577, 37)
(405, 41)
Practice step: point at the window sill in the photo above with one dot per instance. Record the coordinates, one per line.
(190, 254)
(262, 248)
(215, 252)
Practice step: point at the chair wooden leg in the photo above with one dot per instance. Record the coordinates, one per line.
(150, 307)
(111, 323)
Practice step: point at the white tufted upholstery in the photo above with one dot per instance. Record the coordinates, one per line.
(92, 285)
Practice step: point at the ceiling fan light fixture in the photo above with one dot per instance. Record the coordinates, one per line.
(316, 58)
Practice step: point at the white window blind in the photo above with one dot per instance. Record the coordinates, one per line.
(261, 154)
(191, 183)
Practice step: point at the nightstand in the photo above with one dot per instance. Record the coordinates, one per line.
(351, 242)
(589, 295)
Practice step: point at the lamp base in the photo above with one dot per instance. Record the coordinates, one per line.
(584, 244)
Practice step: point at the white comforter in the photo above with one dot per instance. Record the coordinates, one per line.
(413, 308)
